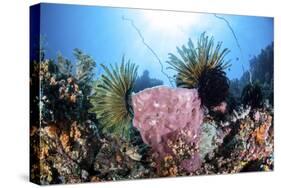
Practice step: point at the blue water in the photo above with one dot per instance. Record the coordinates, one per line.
(102, 33)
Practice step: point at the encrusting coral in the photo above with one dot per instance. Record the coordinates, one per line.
(208, 138)
(247, 145)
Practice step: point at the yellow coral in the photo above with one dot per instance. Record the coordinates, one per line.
(53, 81)
(45, 172)
(75, 132)
(51, 130)
(64, 138)
(260, 133)
(72, 98)
(44, 151)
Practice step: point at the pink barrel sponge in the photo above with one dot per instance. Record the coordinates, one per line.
(161, 112)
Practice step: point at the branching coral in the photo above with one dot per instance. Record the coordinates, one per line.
(64, 96)
(112, 98)
(202, 67)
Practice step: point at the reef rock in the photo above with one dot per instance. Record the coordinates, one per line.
(208, 138)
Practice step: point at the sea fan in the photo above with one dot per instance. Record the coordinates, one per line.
(202, 67)
(112, 98)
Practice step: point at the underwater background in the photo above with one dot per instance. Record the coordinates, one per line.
(103, 34)
(131, 93)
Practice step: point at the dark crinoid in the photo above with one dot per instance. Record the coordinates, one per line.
(213, 86)
(202, 67)
(252, 95)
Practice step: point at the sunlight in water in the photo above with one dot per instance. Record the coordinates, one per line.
(171, 23)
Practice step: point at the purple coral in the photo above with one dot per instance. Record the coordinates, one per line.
(162, 113)
(192, 164)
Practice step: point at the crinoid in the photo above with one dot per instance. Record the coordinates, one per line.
(213, 86)
(202, 67)
(252, 95)
(111, 99)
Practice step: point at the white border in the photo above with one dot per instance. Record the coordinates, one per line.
(14, 84)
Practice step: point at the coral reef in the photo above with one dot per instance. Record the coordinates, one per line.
(92, 130)
(64, 141)
(64, 155)
(120, 160)
(247, 145)
(65, 96)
